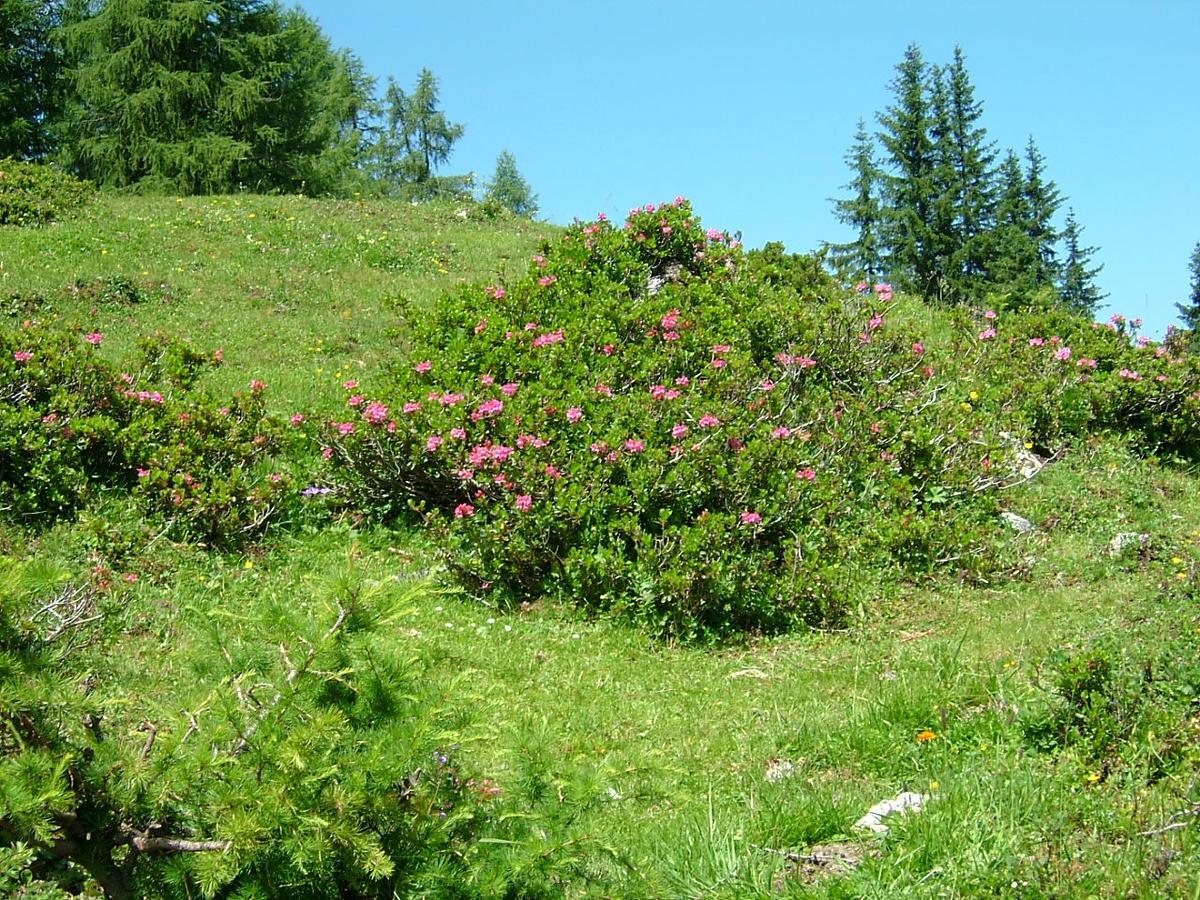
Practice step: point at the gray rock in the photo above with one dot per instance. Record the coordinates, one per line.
(1017, 523)
(1126, 539)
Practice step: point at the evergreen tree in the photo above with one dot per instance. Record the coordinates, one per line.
(509, 189)
(1190, 312)
(1042, 202)
(861, 211)
(205, 96)
(972, 158)
(1076, 288)
(414, 140)
(909, 187)
(1012, 253)
(28, 73)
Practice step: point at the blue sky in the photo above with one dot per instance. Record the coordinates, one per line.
(748, 108)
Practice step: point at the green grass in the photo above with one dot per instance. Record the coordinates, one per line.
(658, 753)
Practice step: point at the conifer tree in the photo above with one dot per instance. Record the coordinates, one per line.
(973, 158)
(1042, 202)
(204, 96)
(28, 72)
(1013, 255)
(861, 211)
(414, 140)
(509, 189)
(909, 186)
(1077, 289)
(1190, 312)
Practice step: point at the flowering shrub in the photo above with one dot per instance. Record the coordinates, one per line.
(72, 425)
(641, 424)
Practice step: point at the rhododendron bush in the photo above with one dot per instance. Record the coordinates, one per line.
(637, 425)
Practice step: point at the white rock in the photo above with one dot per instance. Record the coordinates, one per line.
(1017, 523)
(1126, 539)
(902, 803)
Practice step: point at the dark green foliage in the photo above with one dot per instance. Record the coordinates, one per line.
(1077, 287)
(28, 72)
(509, 190)
(802, 274)
(414, 139)
(1014, 256)
(862, 257)
(34, 194)
(1042, 199)
(211, 96)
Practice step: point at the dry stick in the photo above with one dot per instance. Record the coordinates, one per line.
(150, 727)
(1173, 824)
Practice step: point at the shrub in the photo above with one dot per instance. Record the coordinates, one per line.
(34, 194)
(71, 425)
(644, 423)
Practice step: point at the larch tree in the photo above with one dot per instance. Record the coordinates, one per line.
(509, 189)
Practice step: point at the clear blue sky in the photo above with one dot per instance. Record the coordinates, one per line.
(748, 108)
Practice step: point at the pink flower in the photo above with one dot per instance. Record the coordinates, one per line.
(547, 280)
(411, 407)
(524, 503)
(449, 399)
(1085, 363)
(574, 414)
(344, 428)
(720, 348)
(607, 349)
(349, 385)
(766, 385)
(1037, 342)
(601, 217)
(552, 472)
(375, 413)
(1062, 354)
(1130, 375)
(875, 322)
(990, 314)
(807, 474)
(23, 356)
(143, 473)
(987, 334)
(780, 433)
(131, 577)
(861, 288)
(95, 338)
(464, 511)
(422, 367)
(218, 354)
(670, 336)
(634, 445)
(296, 419)
(495, 292)
(603, 390)
(719, 363)
(459, 434)
(326, 452)
(481, 326)
(918, 348)
(708, 421)
(750, 518)
(509, 389)
(257, 385)
(539, 260)
(356, 400)
(488, 408)
(666, 229)
(679, 430)
(487, 380)
(550, 337)
(433, 442)
(670, 320)
(713, 235)
(683, 381)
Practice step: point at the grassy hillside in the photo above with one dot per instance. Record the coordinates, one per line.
(1047, 712)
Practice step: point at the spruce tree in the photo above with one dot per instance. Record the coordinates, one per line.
(1077, 289)
(28, 76)
(861, 211)
(203, 96)
(973, 158)
(909, 186)
(509, 189)
(1012, 253)
(1042, 202)
(1190, 312)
